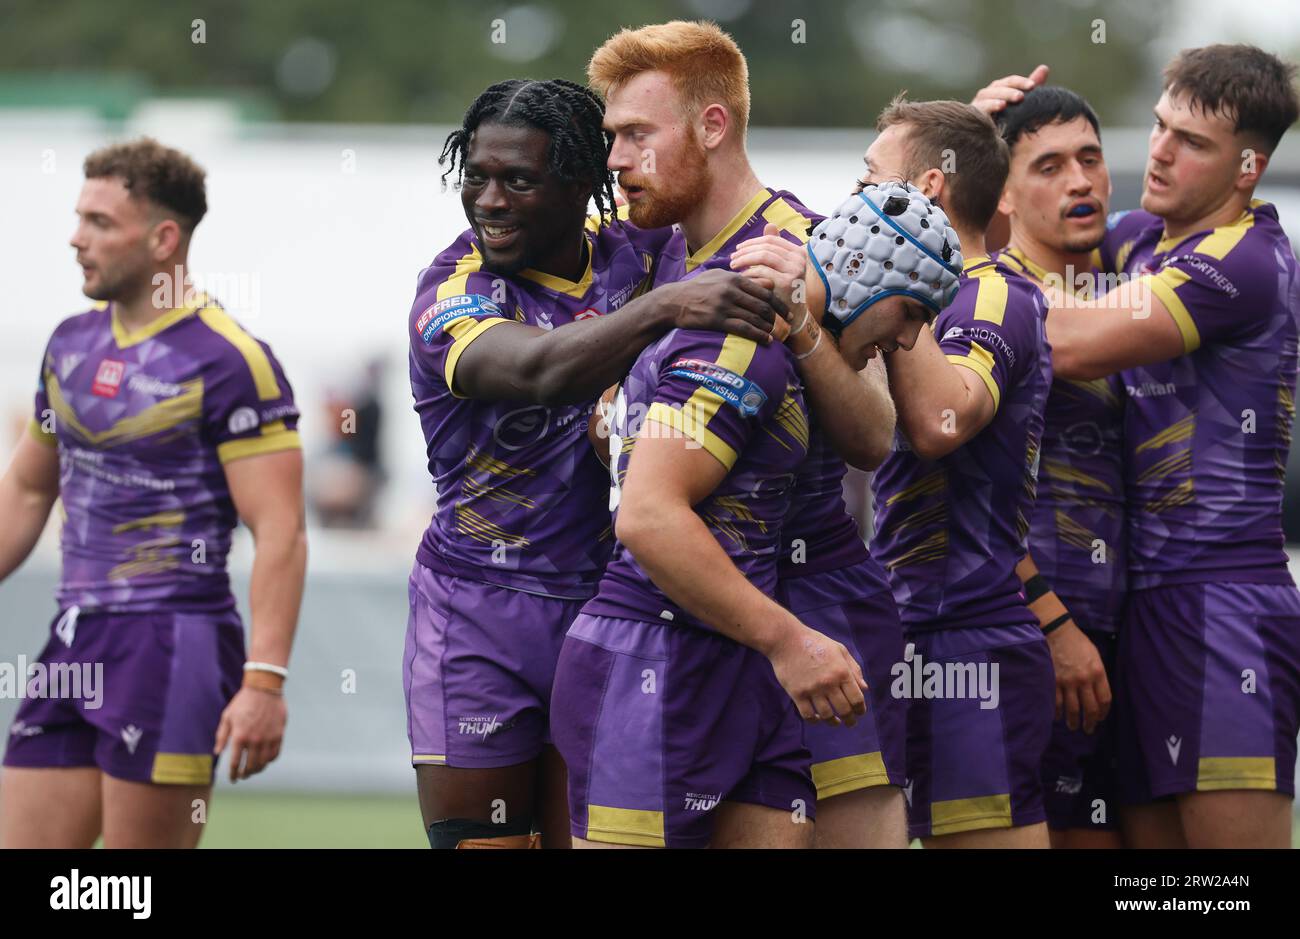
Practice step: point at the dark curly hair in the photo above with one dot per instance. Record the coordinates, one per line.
(571, 114)
(166, 177)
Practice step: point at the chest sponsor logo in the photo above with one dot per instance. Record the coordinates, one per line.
(153, 386)
(737, 390)
(450, 309)
(242, 420)
(108, 378)
(1151, 389)
(522, 427)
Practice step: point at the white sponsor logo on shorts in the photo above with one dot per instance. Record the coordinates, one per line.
(24, 729)
(1070, 785)
(701, 801)
(131, 737)
(102, 892)
(479, 726)
(914, 678)
(1173, 745)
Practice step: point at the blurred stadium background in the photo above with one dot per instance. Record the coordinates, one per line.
(320, 124)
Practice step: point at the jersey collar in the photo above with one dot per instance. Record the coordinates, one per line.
(569, 288)
(729, 230)
(126, 339)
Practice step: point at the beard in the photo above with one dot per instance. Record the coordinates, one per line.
(661, 206)
(1084, 242)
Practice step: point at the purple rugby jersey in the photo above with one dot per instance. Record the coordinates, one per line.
(818, 522)
(521, 494)
(1207, 434)
(144, 422)
(742, 403)
(951, 531)
(1076, 531)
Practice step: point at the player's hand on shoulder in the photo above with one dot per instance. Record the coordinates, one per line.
(820, 675)
(1010, 89)
(722, 301)
(776, 263)
(1082, 690)
(253, 725)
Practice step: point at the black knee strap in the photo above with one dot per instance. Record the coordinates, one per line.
(449, 832)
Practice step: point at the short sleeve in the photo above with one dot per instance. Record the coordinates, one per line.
(42, 424)
(1123, 228)
(248, 405)
(718, 390)
(447, 316)
(1216, 290)
(992, 330)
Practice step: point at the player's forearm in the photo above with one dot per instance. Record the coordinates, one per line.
(1073, 344)
(674, 546)
(578, 361)
(1042, 599)
(275, 594)
(933, 402)
(854, 409)
(25, 512)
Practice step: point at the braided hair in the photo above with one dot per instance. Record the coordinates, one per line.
(571, 114)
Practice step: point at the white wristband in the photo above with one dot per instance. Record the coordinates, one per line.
(804, 322)
(816, 343)
(266, 667)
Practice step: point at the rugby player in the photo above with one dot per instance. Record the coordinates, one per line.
(158, 426)
(1056, 197)
(1204, 336)
(510, 348)
(678, 107)
(953, 501)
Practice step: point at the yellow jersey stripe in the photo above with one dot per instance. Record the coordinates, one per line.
(466, 331)
(980, 361)
(256, 446)
(1164, 285)
(577, 289)
(1219, 242)
(728, 231)
(787, 218)
(991, 301)
(690, 424)
(221, 323)
(455, 284)
(35, 429)
(126, 339)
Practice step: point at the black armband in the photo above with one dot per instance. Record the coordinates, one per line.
(1036, 587)
(1056, 623)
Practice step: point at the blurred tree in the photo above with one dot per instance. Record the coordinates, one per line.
(829, 63)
